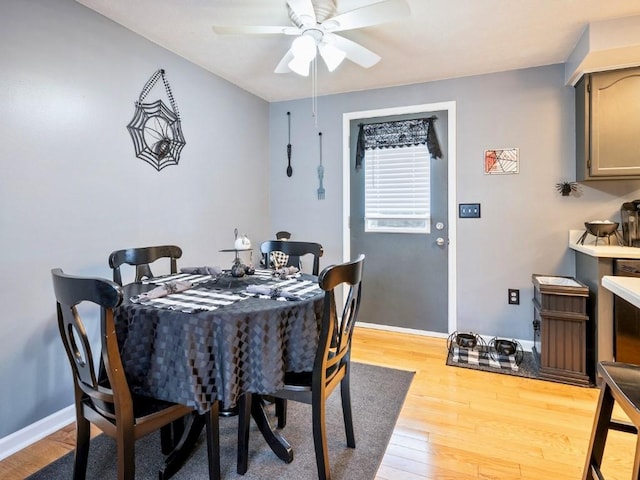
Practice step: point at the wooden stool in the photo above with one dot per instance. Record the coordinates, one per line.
(621, 385)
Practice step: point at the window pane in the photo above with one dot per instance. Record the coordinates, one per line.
(397, 190)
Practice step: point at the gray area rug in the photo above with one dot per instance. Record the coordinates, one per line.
(377, 396)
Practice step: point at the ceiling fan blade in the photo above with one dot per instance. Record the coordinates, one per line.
(303, 9)
(250, 29)
(374, 14)
(354, 51)
(283, 65)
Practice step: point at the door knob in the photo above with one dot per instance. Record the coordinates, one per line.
(440, 241)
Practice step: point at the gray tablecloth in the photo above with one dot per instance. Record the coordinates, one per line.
(194, 358)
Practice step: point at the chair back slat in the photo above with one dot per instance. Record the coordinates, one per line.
(334, 345)
(71, 291)
(141, 258)
(293, 249)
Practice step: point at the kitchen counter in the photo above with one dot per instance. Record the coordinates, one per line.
(595, 268)
(603, 249)
(627, 288)
(593, 264)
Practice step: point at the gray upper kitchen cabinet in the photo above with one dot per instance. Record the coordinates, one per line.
(608, 125)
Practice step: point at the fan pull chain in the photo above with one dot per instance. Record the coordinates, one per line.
(314, 90)
(321, 191)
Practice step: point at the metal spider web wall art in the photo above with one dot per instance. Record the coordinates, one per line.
(155, 128)
(156, 134)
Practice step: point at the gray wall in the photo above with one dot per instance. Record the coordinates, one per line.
(72, 190)
(525, 221)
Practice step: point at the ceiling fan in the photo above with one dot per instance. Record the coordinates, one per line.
(314, 26)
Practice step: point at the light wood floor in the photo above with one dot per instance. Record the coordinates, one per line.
(456, 423)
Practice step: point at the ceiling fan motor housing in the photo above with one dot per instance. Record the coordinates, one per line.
(323, 8)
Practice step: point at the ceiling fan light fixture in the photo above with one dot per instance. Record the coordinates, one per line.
(304, 48)
(300, 66)
(331, 55)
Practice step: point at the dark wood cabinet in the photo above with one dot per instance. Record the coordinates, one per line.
(607, 125)
(560, 330)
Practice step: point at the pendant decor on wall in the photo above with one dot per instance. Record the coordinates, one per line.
(321, 191)
(155, 128)
(289, 169)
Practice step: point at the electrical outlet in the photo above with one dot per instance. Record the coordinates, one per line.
(469, 210)
(514, 296)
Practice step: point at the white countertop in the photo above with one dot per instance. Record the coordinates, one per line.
(602, 249)
(627, 288)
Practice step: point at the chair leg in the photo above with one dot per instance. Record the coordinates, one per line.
(213, 442)
(599, 433)
(636, 460)
(281, 412)
(244, 422)
(170, 435)
(126, 452)
(193, 426)
(320, 438)
(345, 393)
(166, 439)
(83, 431)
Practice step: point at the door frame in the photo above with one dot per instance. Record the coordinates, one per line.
(450, 107)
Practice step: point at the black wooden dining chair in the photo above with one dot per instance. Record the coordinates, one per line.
(620, 385)
(283, 235)
(331, 365)
(141, 258)
(295, 250)
(103, 397)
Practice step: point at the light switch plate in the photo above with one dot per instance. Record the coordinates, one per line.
(469, 210)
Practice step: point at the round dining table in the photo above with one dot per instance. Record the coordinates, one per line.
(194, 355)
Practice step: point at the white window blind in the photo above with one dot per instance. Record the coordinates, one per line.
(398, 189)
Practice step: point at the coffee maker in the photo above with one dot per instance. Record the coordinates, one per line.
(630, 219)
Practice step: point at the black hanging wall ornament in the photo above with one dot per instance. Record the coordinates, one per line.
(321, 191)
(289, 169)
(565, 188)
(155, 129)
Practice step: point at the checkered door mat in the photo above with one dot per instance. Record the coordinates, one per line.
(481, 357)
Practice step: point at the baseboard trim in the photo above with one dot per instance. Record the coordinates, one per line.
(30, 434)
(389, 328)
(527, 345)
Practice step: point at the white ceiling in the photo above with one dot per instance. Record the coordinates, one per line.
(440, 39)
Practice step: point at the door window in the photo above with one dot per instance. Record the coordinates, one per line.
(397, 189)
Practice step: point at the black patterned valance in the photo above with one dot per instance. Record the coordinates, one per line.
(399, 133)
